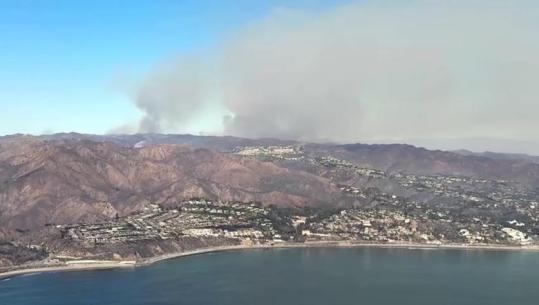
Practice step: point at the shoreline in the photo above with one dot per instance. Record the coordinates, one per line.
(107, 265)
(337, 244)
(66, 268)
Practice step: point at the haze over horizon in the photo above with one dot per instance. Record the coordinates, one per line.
(449, 75)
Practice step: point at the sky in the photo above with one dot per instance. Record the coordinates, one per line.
(441, 74)
(60, 61)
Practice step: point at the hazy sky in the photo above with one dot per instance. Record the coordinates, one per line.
(437, 73)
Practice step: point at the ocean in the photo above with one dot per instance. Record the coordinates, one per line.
(309, 276)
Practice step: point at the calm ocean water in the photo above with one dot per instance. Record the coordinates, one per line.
(297, 276)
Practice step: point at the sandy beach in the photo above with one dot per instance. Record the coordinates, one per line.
(331, 244)
(69, 267)
(85, 265)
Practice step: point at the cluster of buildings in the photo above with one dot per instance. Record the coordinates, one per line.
(338, 163)
(292, 153)
(195, 218)
(379, 225)
(387, 225)
(387, 207)
(431, 209)
(392, 221)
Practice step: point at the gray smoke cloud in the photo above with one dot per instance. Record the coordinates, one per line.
(363, 72)
(171, 95)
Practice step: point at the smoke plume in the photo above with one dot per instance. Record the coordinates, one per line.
(363, 72)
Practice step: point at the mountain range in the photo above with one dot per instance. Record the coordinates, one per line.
(68, 178)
